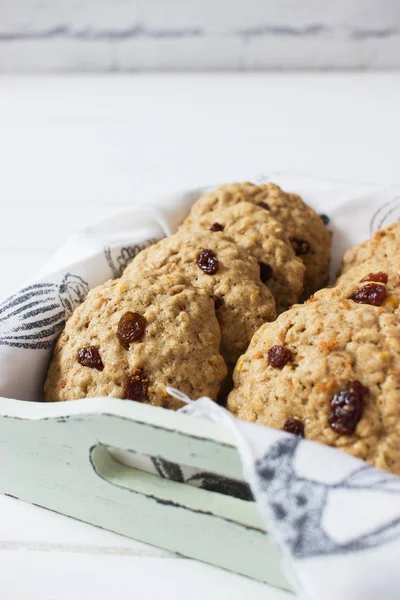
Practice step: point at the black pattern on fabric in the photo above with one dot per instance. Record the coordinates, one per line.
(385, 215)
(126, 254)
(203, 480)
(221, 485)
(167, 469)
(34, 317)
(299, 504)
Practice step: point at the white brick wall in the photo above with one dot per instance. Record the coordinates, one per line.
(119, 35)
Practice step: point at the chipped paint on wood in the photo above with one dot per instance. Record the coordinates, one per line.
(58, 458)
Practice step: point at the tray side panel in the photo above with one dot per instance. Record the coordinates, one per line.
(62, 464)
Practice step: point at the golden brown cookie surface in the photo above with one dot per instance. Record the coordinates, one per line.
(383, 249)
(131, 339)
(365, 283)
(330, 371)
(227, 273)
(310, 238)
(256, 231)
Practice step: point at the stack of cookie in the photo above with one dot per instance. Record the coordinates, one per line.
(329, 370)
(220, 296)
(293, 222)
(186, 309)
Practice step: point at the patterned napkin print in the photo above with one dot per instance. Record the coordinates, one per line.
(204, 480)
(32, 319)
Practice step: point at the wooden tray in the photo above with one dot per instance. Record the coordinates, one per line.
(57, 456)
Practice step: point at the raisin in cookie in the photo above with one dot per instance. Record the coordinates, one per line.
(330, 372)
(310, 238)
(131, 339)
(366, 283)
(227, 273)
(254, 230)
(383, 248)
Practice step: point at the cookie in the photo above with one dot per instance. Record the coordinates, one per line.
(365, 283)
(310, 238)
(383, 248)
(131, 339)
(256, 231)
(329, 372)
(227, 273)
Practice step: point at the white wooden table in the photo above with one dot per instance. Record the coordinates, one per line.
(75, 149)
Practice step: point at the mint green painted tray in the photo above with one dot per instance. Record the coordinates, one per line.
(56, 456)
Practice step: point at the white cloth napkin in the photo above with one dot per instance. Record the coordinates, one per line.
(336, 520)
